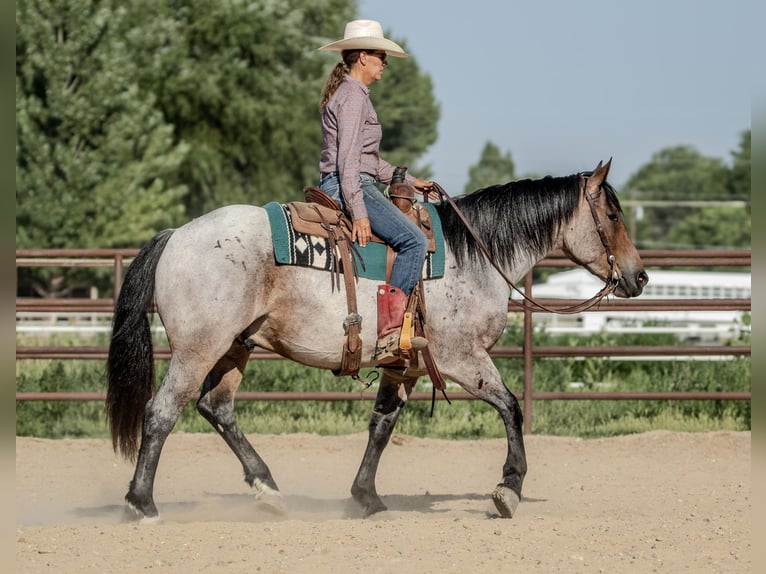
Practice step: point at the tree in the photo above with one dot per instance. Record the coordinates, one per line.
(93, 154)
(408, 111)
(713, 228)
(675, 174)
(241, 81)
(493, 168)
(739, 175)
(192, 103)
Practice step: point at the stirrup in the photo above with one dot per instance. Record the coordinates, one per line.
(409, 344)
(388, 349)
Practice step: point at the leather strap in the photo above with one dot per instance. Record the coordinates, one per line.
(390, 258)
(351, 360)
(420, 329)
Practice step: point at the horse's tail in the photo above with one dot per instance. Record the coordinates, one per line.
(130, 366)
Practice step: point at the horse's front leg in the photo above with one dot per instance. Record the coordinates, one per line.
(216, 404)
(483, 381)
(507, 494)
(391, 399)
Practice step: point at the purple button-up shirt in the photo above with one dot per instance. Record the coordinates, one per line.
(351, 137)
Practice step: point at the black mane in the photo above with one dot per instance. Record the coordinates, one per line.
(517, 215)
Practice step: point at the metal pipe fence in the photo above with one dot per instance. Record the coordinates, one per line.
(119, 259)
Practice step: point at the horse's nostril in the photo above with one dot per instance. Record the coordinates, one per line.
(642, 277)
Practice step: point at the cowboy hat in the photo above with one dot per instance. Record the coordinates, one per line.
(365, 35)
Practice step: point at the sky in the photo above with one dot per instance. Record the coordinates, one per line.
(562, 85)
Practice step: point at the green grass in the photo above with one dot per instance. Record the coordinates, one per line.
(460, 420)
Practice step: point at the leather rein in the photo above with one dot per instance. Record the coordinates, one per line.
(611, 282)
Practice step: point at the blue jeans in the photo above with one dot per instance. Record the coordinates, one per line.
(392, 226)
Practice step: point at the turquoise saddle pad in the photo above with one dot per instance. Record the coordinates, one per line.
(291, 248)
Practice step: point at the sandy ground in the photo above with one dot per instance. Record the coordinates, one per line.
(655, 502)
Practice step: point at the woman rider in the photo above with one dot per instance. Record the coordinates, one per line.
(350, 166)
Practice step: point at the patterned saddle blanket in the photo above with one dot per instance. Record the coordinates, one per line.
(295, 248)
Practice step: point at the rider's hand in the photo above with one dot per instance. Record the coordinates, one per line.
(361, 232)
(426, 188)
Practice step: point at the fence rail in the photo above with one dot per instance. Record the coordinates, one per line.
(163, 353)
(422, 396)
(119, 259)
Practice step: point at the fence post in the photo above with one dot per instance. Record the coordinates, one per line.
(527, 346)
(117, 275)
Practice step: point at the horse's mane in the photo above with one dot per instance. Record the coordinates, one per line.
(520, 215)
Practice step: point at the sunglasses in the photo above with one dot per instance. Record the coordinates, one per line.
(379, 55)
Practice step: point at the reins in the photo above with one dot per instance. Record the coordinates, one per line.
(609, 287)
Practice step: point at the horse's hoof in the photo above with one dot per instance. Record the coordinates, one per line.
(146, 513)
(272, 503)
(149, 519)
(374, 508)
(269, 499)
(133, 514)
(506, 501)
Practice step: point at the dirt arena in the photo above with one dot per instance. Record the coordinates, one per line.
(654, 502)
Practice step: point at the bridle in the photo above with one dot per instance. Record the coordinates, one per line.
(612, 280)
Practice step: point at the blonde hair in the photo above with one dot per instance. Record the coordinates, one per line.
(350, 57)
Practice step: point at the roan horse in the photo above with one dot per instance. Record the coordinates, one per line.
(219, 292)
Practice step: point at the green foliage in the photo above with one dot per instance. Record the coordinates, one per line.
(93, 155)
(681, 174)
(739, 175)
(493, 168)
(240, 81)
(60, 419)
(133, 116)
(606, 418)
(92, 152)
(713, 227)
(464, 419)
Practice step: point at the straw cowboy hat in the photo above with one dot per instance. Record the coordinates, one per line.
(365, 35)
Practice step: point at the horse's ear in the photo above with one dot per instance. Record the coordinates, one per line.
(599, 174)
(606, 168)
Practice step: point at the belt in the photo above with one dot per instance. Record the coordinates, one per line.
(323, 175)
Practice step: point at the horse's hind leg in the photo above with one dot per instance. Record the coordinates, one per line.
(391, 399)
(162, 411)
(216, 404)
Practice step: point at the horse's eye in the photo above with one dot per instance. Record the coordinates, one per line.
(613, 217)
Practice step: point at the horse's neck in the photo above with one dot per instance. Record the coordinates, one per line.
(514, 253)
(524, 260)
(522, 264)
(524, 249)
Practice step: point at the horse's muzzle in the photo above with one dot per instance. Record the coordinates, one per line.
(631, 284)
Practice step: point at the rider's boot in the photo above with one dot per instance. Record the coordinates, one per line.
(392, 303)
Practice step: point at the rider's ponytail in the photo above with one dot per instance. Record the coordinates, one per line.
(336, 76)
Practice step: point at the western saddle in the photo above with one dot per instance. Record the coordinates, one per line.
(320, 216)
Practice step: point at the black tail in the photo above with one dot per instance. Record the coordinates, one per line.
(130, 366)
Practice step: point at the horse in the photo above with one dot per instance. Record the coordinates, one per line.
(219, 293)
